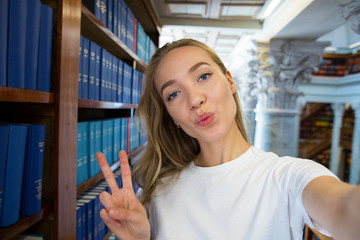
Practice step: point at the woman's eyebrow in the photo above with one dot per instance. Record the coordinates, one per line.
(168, 83)
(197, 65)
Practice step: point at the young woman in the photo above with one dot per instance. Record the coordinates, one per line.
(201, 179)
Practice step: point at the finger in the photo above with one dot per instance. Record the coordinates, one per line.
(125, 170)
(107, 219)
(105, 199)
(108, 174)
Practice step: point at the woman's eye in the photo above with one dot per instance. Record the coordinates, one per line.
(204, 76)
(173, 95)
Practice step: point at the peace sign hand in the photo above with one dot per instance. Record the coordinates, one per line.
(123, 213)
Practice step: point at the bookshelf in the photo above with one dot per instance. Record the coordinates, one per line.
(61, 110)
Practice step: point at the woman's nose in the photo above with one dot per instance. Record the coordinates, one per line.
(196, 98)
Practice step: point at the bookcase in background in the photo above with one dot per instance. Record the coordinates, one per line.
(61, 109)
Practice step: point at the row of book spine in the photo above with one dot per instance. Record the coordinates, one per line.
(26, 33)
(104, 77)
(118, 18)
(89, 224)
(21, 170)
(108, 136)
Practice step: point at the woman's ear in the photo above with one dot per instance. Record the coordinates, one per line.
(231, 81)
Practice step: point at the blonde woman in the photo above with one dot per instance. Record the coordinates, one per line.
(199, 176)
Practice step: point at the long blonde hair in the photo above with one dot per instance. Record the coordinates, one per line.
(169, 149)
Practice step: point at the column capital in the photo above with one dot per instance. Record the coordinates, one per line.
(280, 66)
(351, 13)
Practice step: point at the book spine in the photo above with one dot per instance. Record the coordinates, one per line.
(92, 150)
(13, 180)
(130, 29)
(45, 49)
(108, 77)
(123, 21)
(115, 17)
(110, 141)
(85, 146)
(105, 138)
(92, 70)
(103, 9)
(33, 170)
(85, 66)
(4, 15)
(80, 65)
(79, 159)
(117, 136)
(109, 15)
(97, 71)
(103, 75)
(120, 81)
(134, 34)
(98, 141)
(17, 43)
(114, 78)
(4, 140)
(32, 43)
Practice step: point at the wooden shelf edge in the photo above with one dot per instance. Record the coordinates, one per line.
(85, 103)
(10, 94)
(93, 29)
(82, 187)
(24, 223)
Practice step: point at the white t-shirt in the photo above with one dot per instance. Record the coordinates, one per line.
(255, 196)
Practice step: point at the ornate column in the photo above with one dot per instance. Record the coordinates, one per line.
(338, 109)
(351, 13)
(355, 152)
(280, 67)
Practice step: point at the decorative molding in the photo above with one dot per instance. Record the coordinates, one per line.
(351, 13)
(280, 66)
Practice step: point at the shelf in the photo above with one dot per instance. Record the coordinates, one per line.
(82, 187)
(93, 29)
(24, 223)
(9, 94)
(85, 103)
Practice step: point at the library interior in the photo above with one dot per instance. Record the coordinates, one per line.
(71, 74)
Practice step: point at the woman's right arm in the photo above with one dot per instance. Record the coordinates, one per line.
(123, 213)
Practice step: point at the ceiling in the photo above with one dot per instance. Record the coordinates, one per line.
(228, 25)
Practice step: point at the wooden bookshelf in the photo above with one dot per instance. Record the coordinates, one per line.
(9, 94)
(25, 222)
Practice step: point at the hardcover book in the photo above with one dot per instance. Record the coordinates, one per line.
(4, 14)
(33, 170)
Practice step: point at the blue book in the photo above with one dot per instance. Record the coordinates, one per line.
(85, 67)
(98, 141)
(104, 10)
(45, 48)
(79, 222)
(33, 170)
(4, 15)
(92, 150)
(14, 157)
(134, 86)
(108, 77)
(119, 95)
(32, 43)
(110, 141)
(130, 21)
(95, 6)
(83, 235)
(105, 142)
(89, 216)
(114, 78)
(109, 15)
(4, 142)
(127, 83)
(92, 70)
(123, 20)
(85, 146)
(124, 130)
(16, 43)
(117, 132)
(115, 17)
(97, 71)
(103, 75)
(79, 158)
(80, 65)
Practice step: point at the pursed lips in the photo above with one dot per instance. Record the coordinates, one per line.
(205, 119)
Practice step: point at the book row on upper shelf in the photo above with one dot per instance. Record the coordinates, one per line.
(104, 77)
(119, 19)
(108, 136)
(21, 170)
(89, 224)
(339, 65)
(26, 32)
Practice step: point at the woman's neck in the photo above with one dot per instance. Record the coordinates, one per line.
(225, 150)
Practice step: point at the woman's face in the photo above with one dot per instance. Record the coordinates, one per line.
(197, 95)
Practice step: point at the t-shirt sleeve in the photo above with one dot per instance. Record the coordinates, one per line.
(303, 171)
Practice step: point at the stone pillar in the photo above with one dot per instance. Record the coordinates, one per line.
(351, 13)
(355, 153)
(338, 109)
(281, 66)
